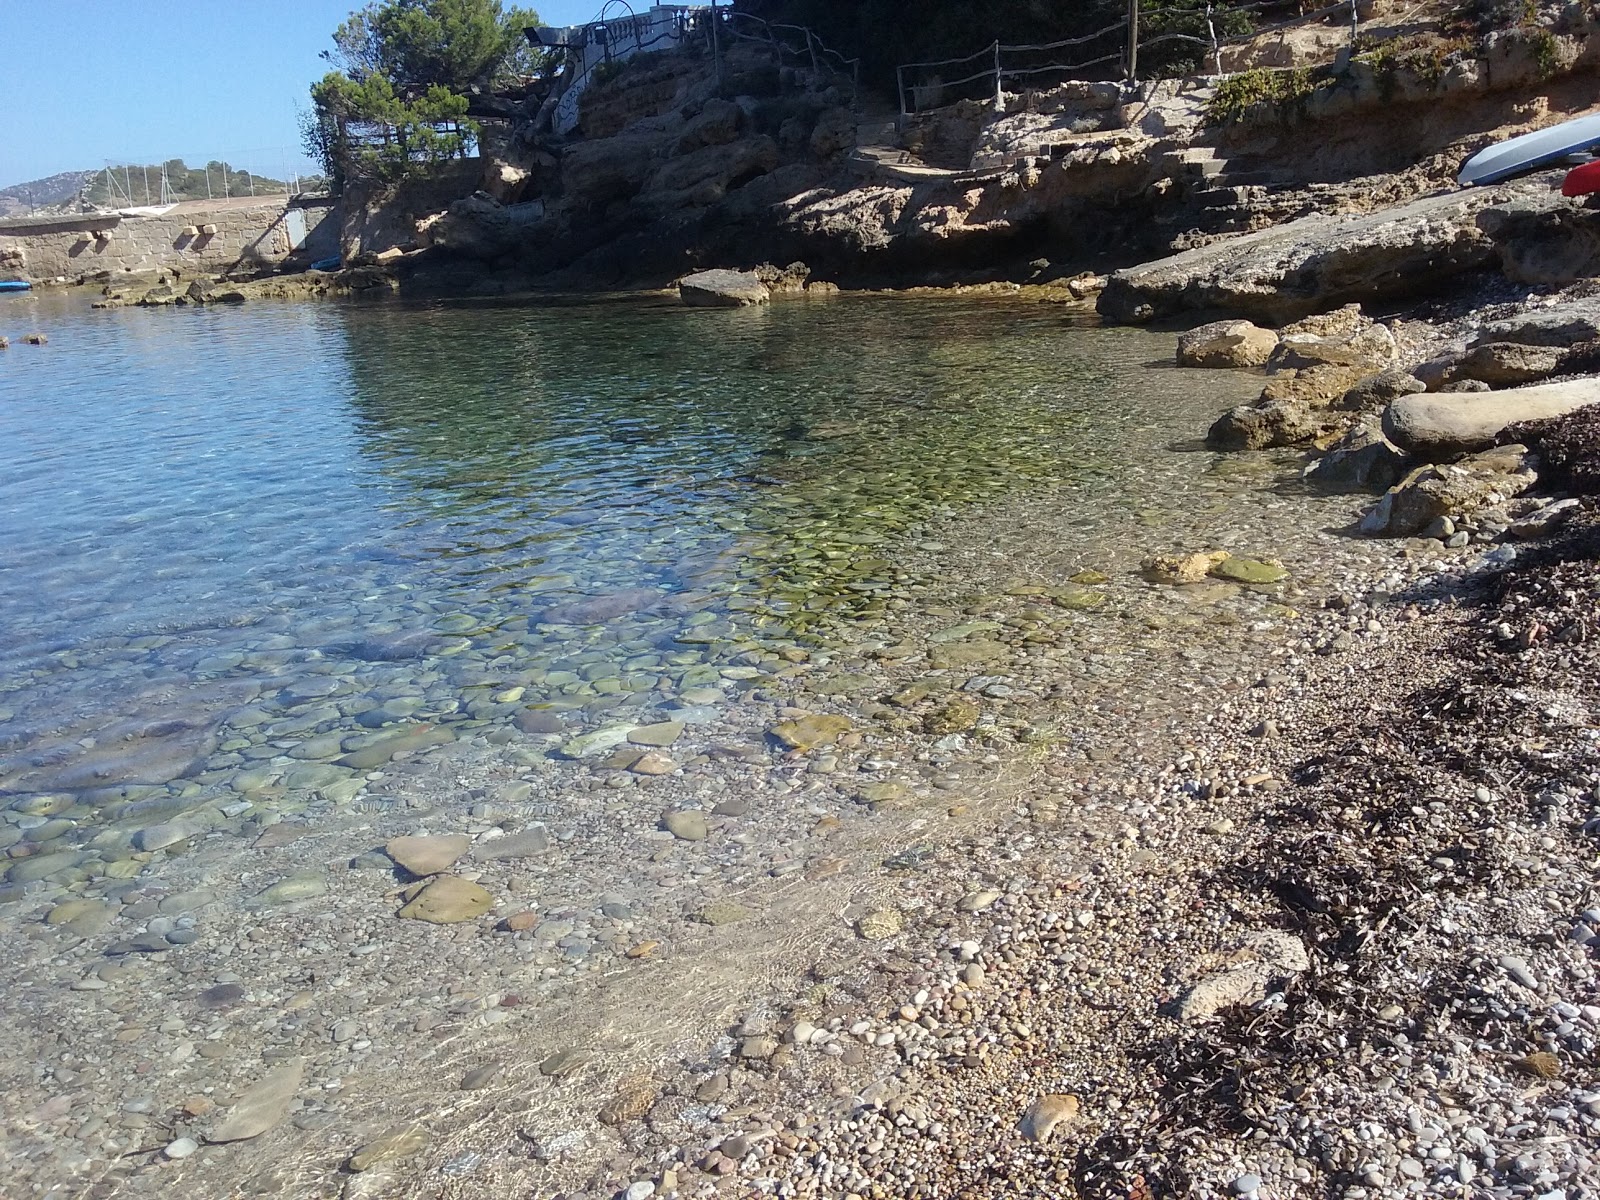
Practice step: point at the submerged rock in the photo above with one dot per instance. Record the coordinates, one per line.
(262, 1106)
(1183, 568)
(447, 900)
(427, 855)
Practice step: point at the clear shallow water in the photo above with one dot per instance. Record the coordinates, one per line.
(237, 540)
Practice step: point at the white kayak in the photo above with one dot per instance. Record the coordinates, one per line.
(1530, 151)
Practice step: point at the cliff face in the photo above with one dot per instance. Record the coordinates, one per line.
(676, 170)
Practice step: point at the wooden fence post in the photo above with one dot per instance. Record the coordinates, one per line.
(900, 84)
(1133, 40)
(999, 93)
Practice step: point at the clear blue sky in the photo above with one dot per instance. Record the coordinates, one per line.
(142, 81)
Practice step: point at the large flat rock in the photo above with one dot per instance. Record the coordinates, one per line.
(1438, 426)
(722, 289)
(1320, 261)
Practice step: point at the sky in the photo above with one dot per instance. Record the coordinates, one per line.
(142, 81)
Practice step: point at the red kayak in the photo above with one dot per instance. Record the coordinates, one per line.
(1582, 181)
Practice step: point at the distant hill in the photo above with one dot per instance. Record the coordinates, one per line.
(50, 192)
(136, 184)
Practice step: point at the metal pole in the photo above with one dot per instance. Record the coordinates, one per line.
(1133, 40)
(716, 42)
(146, 172)
(1216, 46)
(208, 181)
(999, 95)
(250, 181)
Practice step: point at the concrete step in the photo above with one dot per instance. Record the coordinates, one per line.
(877, 133)
(1266, 179)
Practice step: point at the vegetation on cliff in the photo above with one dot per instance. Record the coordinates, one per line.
(398, 97)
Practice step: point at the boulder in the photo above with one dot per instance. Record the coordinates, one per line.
(717, 124)
(722, 289)
(1318, 261)
(1183, 568)
(1350, 341)
(1236, 344)
(1376, 392)
(1544, 244)
(1463, 489)
(1508, 364)
(1439, 427)
(1286, 422)
(1364, 461)
(503, 182)
(1558, 325)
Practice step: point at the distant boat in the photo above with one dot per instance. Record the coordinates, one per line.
(1529, 152)
(14, 285)
(325, 264)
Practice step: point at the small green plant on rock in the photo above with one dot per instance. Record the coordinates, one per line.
(1285, 90)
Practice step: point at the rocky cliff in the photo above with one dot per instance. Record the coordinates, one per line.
(674, 169)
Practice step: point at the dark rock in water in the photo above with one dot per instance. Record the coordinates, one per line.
(390, 647)
(594, 609)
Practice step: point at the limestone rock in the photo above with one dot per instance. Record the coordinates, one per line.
(1262, 426)
(688, 825)
(1363, 461)
(1480, 482)
(428, 855)
(1314, 262)
(1183, 568)
(1259, 959)
(881, 924)
(1249, 570)
(1564, 324)
(1376, 392)
(1340, 339)
(634, 1097)
(262, 1106)
(448, 900)
(722, 289)
(1438, 427)
(659, 735)
(1226, 344)
(399, 1143)
(1046, 1114)
(818, 729)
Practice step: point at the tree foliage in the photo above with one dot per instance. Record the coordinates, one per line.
(398, 97)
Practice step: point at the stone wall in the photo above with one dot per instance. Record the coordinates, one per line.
(200, 237)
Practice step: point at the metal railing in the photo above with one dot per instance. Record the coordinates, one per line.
(779, 38)
(922, 86)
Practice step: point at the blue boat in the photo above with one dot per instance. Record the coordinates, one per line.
(325, 264)
(1519, 155)
(14, 285)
